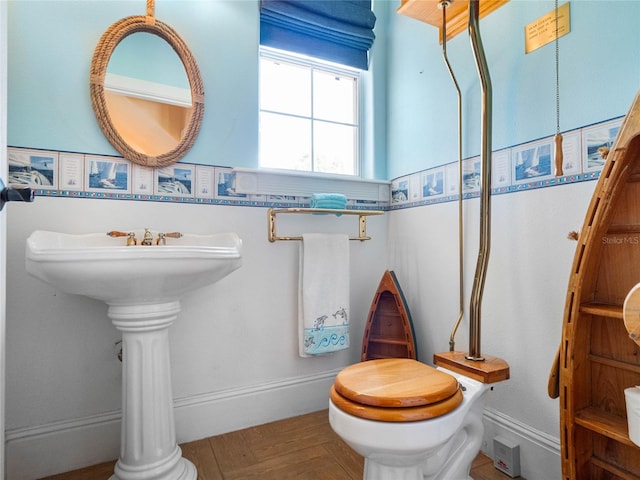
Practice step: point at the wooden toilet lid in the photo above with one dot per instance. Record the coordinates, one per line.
(396, 414)
(395, 383)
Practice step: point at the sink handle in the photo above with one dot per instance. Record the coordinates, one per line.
(131, 236)
(162, 237)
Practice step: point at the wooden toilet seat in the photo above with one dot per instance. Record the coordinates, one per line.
(395, 390)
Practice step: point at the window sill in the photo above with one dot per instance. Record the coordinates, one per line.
(304, 184)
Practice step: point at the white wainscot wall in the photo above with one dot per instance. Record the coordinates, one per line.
(522, 309)
(234, 346)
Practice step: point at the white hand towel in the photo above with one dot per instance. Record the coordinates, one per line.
(323, 298)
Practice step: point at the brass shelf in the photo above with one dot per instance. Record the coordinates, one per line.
(362, 223)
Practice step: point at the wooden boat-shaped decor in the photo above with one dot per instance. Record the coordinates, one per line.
(598, 359)
(389, 330)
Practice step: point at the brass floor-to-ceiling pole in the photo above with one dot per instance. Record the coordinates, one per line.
(485, 184)
(443, 5)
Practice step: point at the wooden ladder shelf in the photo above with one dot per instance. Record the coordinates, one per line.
(598, 359)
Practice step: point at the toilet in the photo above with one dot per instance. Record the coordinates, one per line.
(410, 421)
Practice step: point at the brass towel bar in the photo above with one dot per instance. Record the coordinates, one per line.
(362, 214)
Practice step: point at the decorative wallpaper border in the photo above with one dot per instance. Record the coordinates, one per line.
(522, 167)
(75, 175)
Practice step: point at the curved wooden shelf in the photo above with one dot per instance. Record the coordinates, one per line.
(597, 359)
(609, 311)
(388, 332)
(607, 424)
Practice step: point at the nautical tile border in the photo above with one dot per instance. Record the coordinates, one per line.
(522, 167)
(76, 175)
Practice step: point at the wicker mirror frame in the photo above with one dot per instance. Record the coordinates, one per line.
(107, 44)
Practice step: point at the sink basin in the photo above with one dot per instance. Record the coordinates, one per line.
(142, 284)
(101, 267)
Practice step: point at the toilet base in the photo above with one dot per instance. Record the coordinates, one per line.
(452, 461)
(378, 471)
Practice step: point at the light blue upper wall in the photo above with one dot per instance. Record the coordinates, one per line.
(413, 121)
(51, 44)
(599, 77)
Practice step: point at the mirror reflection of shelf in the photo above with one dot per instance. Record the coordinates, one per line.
(150, 117)
(146, 90)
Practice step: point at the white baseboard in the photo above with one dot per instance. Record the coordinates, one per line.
(539, 451)
(36, 452)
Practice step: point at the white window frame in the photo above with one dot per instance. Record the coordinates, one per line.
(314, 63)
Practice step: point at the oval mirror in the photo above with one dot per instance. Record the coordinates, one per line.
(146, 91)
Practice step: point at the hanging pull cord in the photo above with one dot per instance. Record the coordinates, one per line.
(559, 158)
(443, 5)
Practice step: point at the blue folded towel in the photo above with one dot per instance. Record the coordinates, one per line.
(335, 201)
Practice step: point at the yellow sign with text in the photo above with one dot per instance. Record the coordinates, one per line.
(543, 30)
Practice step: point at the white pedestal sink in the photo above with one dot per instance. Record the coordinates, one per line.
(142, 286)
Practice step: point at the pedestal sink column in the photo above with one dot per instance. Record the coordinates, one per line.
(148, 449)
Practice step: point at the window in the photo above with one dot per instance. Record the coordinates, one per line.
(308, 114)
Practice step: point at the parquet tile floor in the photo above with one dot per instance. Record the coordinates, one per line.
(300, 448)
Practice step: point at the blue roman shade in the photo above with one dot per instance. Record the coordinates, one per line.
(339, 31)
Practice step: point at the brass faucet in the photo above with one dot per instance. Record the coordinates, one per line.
(148, 238)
